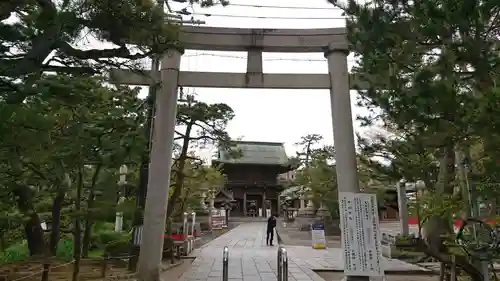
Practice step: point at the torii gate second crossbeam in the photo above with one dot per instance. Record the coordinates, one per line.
(332, 42)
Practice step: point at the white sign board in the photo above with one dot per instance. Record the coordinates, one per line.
(361, 236)
(218, 219)
(318, 236)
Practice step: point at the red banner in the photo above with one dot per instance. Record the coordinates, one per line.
(457, 222)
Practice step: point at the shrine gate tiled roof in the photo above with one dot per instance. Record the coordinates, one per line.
(251, 152)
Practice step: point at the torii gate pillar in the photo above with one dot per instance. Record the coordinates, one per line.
(159, 168)
(343, 132)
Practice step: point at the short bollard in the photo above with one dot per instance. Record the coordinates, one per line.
(284, 260)
(282, 264)
(225, 264)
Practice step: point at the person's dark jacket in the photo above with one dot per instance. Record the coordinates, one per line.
(271, 223)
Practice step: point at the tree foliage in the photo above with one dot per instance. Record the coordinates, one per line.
(198, 124)
(44, 35)
(48, 140)
(317, 174)
(432, 70)
(61, 155)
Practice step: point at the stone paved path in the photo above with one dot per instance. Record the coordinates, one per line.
(251, 260)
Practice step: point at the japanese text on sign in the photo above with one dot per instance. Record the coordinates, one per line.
(360, 234)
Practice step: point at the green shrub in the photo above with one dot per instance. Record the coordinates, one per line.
(107, 237)
(118, 248)
(64, 248)
(16, 252)
(96, 253)
(116, 243)
(103, 226)
(97, 229)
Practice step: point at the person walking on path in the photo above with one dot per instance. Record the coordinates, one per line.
(271, 224)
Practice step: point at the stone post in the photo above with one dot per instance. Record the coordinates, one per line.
(159, 169)
(193, 223)
(211, 207)
(403, 208)
(264, 204)
(245, 203)
(278, 203)
(185, 232)
(343, 132)
(121, 183)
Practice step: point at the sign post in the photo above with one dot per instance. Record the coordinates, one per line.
(360, 234)
(318, 235)
(218, 219)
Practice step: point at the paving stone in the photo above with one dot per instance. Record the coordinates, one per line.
(215, 274)
(294, 269)
(265, 269)
(301, 276)
(198, 277)
(251, 278)
(267, 276)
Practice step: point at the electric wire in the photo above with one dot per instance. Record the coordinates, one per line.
(244, 58)
(184, 11)
(281, 7)
(262, 17)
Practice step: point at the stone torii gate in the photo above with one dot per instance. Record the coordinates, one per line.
(332, 42)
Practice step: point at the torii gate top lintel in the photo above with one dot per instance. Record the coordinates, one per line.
(265, 39)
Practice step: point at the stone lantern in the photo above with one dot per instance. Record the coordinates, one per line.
(322, 210)
(306, 196)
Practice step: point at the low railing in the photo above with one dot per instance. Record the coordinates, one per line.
(225, 264)
(282, 264)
